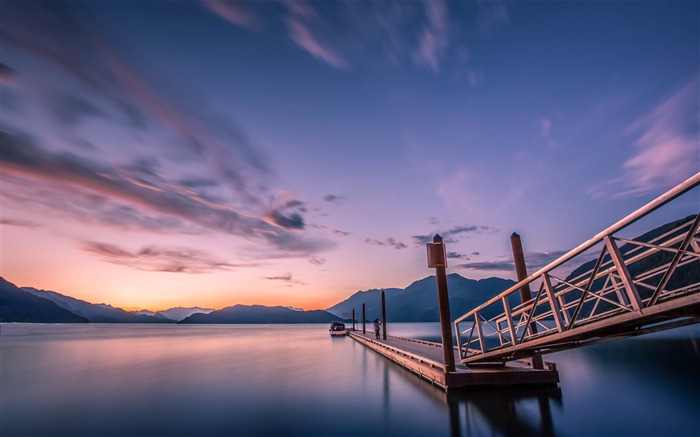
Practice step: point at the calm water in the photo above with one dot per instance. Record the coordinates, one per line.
(296, 380)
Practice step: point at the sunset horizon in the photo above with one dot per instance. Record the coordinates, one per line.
(293, 153)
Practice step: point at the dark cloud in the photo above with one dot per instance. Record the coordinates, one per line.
(332, 198)
(289, 215)
(453, 235)
(291, 221)
(69, 110)
(341, 233)
(488, 266)
(158, 259)
(457, 255)
(317, 261)
(533, 260)
(537, 260)
(20, 223)
(390, 242)
(285, 277)
(7, 74)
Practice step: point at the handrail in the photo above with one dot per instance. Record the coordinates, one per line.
(590, 300)
(655, 204)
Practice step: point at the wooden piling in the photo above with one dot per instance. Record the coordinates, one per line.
(443, 302)
(525, 292)
(363, 319)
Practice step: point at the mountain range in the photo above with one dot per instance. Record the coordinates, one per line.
(261, 314)
(415, 303)
(418, 302)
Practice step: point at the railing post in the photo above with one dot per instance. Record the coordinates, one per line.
(625, 276)
(556, 310)
(480, 332)
(525, 293)
(509, 317)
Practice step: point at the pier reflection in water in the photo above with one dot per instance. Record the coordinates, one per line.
(479, 411)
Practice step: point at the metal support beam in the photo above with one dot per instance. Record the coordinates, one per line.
(676, 259)
(553, 302)
(625, 276)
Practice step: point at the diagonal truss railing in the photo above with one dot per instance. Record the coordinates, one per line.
(628, 291)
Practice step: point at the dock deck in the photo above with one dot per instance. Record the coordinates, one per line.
(424, 358)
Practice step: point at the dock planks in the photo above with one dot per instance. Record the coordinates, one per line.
(424, 358)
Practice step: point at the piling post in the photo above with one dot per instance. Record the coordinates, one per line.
(525, 292)
(363, 318)
(353, 319)
(437, 259)
(383, 316)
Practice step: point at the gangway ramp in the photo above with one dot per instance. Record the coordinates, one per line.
(623, 287)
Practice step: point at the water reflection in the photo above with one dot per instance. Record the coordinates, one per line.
(296, 380)
(478, 411)
(498, 411)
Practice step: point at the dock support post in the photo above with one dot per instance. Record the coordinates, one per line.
(363, 318)
(353, 319)
(383, 316)
(525, 293)
(436, 259)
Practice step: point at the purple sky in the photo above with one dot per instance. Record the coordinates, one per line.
(157, 154)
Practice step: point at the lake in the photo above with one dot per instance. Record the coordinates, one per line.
(295, 380)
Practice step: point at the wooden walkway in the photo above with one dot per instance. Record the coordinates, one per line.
(424, 358)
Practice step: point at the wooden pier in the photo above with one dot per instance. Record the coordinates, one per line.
(424, 359)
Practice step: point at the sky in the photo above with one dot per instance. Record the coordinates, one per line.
(179, 153)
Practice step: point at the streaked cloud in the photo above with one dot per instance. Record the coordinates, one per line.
(286, 278)
(348, 34)
(455, 234)
(125, 190)
(158, 259)
(389, 242)
(19, 223)
(501, 266)
(299, 26)
(236, 12)
(533, 260)
(434, 39)
(8, 75)
(666, 151)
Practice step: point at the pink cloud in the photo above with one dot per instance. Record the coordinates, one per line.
(233, 12)
(434, 38)
(667, 150)
(304, 38)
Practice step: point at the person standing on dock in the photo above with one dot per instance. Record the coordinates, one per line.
(377, 327)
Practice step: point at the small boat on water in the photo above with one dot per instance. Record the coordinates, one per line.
(337, 328)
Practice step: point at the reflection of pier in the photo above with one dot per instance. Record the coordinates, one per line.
(424, 359)
(522, 411)
(504, 412)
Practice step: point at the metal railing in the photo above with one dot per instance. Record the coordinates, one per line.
(624, 290)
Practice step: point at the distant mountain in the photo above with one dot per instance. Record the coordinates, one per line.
(95, 313)
(180, 313)
(16, 305)
(261, 314)
(419, 303)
